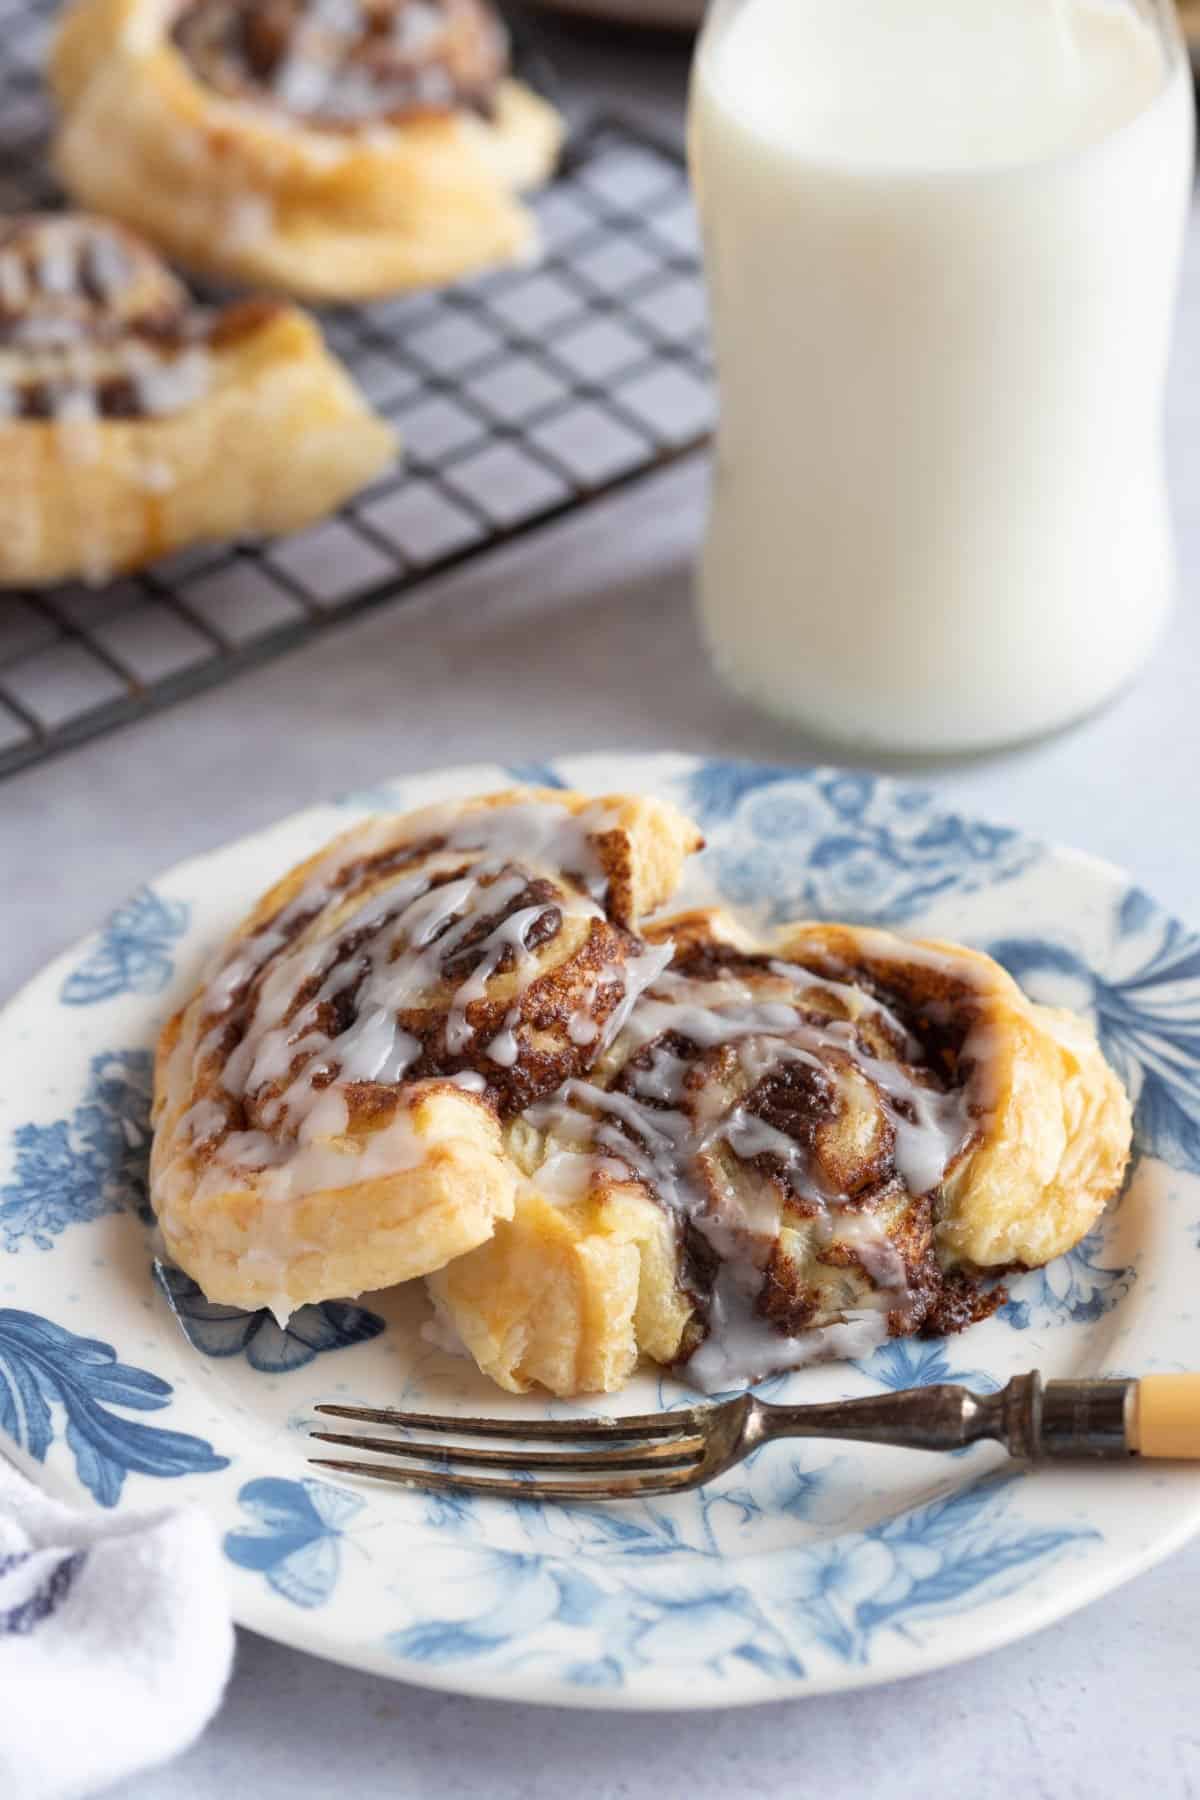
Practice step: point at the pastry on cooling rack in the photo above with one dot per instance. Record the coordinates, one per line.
(332, 149)
(330, 1104)
(133, 423)
(790, 1151)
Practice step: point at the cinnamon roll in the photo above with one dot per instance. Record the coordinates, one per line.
(133, 423)
(332, 149)
(331, 1104)
(790, 1151)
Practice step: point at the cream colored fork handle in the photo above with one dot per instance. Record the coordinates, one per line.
(1165, 1417)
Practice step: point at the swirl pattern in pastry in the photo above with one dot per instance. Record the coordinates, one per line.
(331, 149)
(133, 422)
(330, 1104)
(790, 1152)
(347, 62)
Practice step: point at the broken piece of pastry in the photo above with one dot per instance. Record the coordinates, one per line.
(330, 1104)
(133, 423)
(328, 151)
(791, 1151)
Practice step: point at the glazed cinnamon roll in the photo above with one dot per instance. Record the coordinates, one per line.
(341, 64)
(330, 1105)
(447, 1047)
(789, 1152)
(133, 423)
(333, 149)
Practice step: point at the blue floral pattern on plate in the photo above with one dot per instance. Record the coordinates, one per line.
(1075, 1289)
(826, 843)
(294, 1539)
(920, 1362)
(536, 774)
(922, 1564)
(44, 1368)
(133, 953)
(702, 1618)
(811, 1567)
(1146, 1009)
(273, 1349)
(676, 1598)
(80, 1168)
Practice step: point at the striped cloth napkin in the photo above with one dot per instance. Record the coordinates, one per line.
(115, 1641)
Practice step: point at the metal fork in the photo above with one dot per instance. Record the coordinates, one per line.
(667, 1453)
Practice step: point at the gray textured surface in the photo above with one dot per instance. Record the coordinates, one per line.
(583, 639)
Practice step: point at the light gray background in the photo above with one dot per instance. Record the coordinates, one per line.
(583, 639)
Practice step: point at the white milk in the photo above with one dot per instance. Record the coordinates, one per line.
(942, 240)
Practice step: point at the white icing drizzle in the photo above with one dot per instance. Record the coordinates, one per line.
(505, 1049)
(355, 63)
(401, 937)
(110, 267)
(630, 980)
(582, 1029)
(74, 408)
(315, 76)
(58, 264)
(166, 384)
(664, 1130)
(69, 293)
(469, 1080)
(636, 975)
(507, 941)
(738, 1351)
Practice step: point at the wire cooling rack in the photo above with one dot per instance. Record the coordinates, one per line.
(520, 396)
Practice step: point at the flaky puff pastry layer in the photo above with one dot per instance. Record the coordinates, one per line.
(593, 1270)
(243, 190)
(1054, 1146)
(134, 425)
(328, 1104)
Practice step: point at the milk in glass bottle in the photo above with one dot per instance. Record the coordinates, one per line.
(942, 241)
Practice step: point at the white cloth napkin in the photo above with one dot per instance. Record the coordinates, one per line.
(115, 1641)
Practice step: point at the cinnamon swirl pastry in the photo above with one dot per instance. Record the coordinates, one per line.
(790, 1151)
(333, 149)
(330, 1105)
(133, 423)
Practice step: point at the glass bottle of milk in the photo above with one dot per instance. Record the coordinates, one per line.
(942, 241)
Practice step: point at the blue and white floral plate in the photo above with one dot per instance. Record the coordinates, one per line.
(814, 1567)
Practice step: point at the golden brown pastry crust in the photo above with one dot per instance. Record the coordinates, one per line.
(313, 1136)
(133, 425)
(244, 190)
(581, 1281)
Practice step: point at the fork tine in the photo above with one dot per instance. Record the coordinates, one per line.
(659, 1425)
(667, 1454)
(620, 1487)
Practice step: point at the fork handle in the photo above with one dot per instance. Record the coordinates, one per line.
(1165, 1417)
(1158, 1416)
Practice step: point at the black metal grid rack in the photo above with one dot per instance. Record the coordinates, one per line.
(519, 396)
